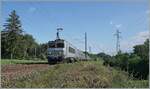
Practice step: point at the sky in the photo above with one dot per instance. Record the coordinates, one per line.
(98, 19)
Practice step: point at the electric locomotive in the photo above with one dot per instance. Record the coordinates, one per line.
(60, 50)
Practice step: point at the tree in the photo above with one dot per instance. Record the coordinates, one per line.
(4, 45)
(42, 51)
(108, 60)
(136, 63)
(121, 60)
(104, 56)
(142, 67)
(142, 50)
(11, 35)
(29, 45)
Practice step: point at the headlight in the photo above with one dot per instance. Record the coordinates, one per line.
(60, 53)
(49, 52)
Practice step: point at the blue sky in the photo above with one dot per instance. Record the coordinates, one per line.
(99, 19)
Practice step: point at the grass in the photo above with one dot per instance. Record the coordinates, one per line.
(15, 61)
(138, 83)
(89, 74)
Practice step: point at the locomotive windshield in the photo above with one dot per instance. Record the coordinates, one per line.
(56, 44)
(60, 45)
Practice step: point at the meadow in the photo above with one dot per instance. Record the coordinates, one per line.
(83, 74)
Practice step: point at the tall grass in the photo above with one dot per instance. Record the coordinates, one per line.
(90, 74)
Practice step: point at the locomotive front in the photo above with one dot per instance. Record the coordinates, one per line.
(55, 51)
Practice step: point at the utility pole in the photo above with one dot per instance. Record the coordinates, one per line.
(35, 52)
(90, 49)
(25, 52)
(118, 41)
(85, 45)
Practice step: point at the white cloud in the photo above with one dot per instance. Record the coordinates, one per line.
(111, 22)
(32, 9)
(139, 38)
(118, 25)
(115, 25)
(147, 11)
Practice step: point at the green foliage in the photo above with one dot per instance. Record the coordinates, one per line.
(42, 51)
(136, 63)
(107, 58)
(94, 57)
(142, 50)
(16, 45)
(11, 35)
(104, 56)
(142, 67)
(122, 60)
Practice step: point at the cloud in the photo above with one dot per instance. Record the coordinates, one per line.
(147, 11)
(118, 25)
(32, 9)
(111, 22)
(139, 38)
(115, 25)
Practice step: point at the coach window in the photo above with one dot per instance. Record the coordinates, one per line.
(71, 50)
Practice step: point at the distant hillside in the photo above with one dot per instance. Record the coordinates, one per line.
(77, 75)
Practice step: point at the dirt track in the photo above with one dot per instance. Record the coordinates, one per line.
(12, 71)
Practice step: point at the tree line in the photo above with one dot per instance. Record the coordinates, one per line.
(16, 44)
(135, 63)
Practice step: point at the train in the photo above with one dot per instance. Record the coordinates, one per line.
(61, 50)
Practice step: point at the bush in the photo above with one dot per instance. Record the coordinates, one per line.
(131, 63)
(138, 67)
